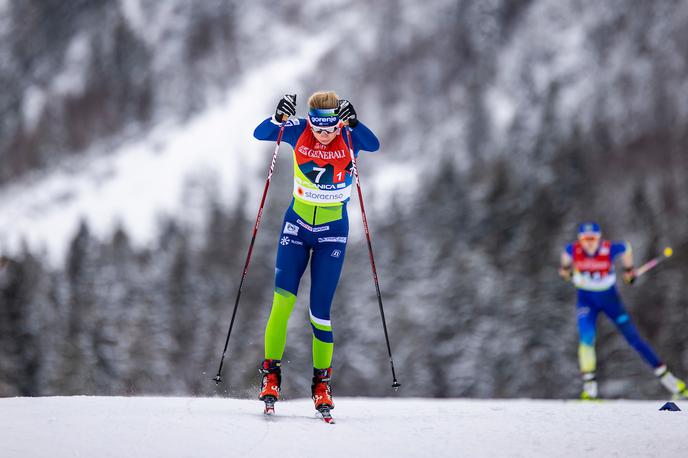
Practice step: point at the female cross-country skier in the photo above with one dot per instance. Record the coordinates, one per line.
(315, 226)
(589, 262)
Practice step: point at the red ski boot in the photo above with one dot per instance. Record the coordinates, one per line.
(322, 393)
(270, 388)
(320, 389)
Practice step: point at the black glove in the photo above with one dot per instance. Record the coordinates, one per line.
(346, 113)
(286, 107)
(629, 275)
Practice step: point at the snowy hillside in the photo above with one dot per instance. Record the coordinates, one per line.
(202, 427)
(172, 170)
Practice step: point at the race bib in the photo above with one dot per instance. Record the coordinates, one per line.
(322, 173)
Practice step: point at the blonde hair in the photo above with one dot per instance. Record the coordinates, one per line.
(323, 99)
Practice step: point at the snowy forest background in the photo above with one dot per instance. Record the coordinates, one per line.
(503, 123)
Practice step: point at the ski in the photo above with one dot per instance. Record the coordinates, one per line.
(269, 405)
(324, 413)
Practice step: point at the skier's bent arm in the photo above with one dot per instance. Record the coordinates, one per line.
(566, 264)
(627, 263)
(364, 139)
(269, 130)
(627, 257)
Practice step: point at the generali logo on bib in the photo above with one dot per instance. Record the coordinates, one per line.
(321, 154)
(592, 265)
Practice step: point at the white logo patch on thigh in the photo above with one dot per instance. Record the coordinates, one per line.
(291, 229)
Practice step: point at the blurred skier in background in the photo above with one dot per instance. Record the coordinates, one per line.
(315, 226)
(589, 263)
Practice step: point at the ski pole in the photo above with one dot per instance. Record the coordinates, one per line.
(354, 170)
(218, 378)
(654, 262)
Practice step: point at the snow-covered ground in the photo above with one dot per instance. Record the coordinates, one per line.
(203, 427)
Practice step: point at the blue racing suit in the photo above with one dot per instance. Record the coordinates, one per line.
(595, 280)
(315, 227)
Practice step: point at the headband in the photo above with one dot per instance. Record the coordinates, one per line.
(323, 117)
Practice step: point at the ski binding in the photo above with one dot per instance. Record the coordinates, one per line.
(324, 413)
(269, 405)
